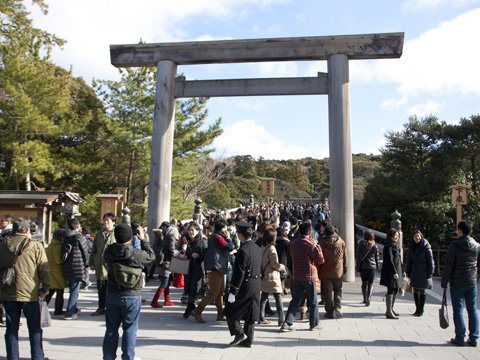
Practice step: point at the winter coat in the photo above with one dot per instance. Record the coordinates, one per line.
(168, 246)
(392, 264)
(245, 284)
(54, 253)
(218, 253)
(305, 257)
(271, 282)
(335, 255)
(281, 245)
(420, 264)
(367, 255)
(462, 263)
(100, 243)
(196, 269)
(127, 255)
(74, 267)
(31, 268)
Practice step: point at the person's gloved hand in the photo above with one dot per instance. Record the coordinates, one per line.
(231, 298)
(395, 276)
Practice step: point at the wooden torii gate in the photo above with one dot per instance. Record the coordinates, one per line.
(336, 50)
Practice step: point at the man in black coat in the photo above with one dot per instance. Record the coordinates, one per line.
(244, 296)
(74, 266)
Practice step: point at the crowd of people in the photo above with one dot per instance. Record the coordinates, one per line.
(235, 261)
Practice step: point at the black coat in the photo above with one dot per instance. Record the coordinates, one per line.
(462, 263)
(74, 267)
(196, 270)
(245, 284)
(281, 245)
(392, 264)
(367, 255)
(420, 265)
(127, 255)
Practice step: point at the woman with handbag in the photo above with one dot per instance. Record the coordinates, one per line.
(367, 263)
(419, 268)
(195, 251)
(392, 271)
(271, 282)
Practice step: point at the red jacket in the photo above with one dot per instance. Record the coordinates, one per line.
(306, 256)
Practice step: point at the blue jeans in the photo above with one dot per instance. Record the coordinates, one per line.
(298, 288)
(464, 297)
(31, 310)
(125, 311)
(74, 288)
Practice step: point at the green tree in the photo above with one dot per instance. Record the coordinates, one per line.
(414, 178)
(129, 103)
(35, 93)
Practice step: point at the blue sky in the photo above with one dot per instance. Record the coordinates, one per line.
(437, 74)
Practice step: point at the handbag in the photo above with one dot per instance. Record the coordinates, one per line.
(407, 284)
(7, 273)
(179, 265)
(443, 312)
(45, 319)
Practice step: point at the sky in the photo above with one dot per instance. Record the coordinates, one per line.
(438, 73)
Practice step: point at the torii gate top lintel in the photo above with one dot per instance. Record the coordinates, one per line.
(365, 46)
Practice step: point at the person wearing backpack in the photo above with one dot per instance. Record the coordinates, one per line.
(75, 260)
(32, 281)
(124, 286)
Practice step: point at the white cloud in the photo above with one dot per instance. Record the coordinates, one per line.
(442, 62)
(246, 137)
(89, 30)
(425, 4)
(424, 109)
(392, 104)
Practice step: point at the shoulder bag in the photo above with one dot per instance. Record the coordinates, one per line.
(443, 312)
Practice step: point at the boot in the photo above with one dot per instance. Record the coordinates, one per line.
(393, 304)
(417, 302)
(389, 302)
(157, 295)
(421, 304)
(167, 301)
(197, 314)
(364, 292)
(188, 310)
(369, 294)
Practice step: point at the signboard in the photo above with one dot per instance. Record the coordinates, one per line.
(459, 194)
(268, 186)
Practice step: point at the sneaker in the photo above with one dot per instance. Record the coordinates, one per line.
(245, 343)
(472, 343)
(72, 317)
(237, 340)
(457, 342)
(98, 312)
(338, 314)
(286, 328)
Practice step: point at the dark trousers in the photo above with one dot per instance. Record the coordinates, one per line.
(236, 329)
(102, 294)
(58, 299)
(332, 294)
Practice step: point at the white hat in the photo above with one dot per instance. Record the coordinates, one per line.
(286, 225)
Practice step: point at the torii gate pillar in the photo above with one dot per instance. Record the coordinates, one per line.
(341, 176)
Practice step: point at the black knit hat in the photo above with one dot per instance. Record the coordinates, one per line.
(123, 233)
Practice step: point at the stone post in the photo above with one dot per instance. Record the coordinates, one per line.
(397, 225)
(341, 174)
(197, 211)
(126, 216)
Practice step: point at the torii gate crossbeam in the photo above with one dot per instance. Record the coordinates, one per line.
(337, 50)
